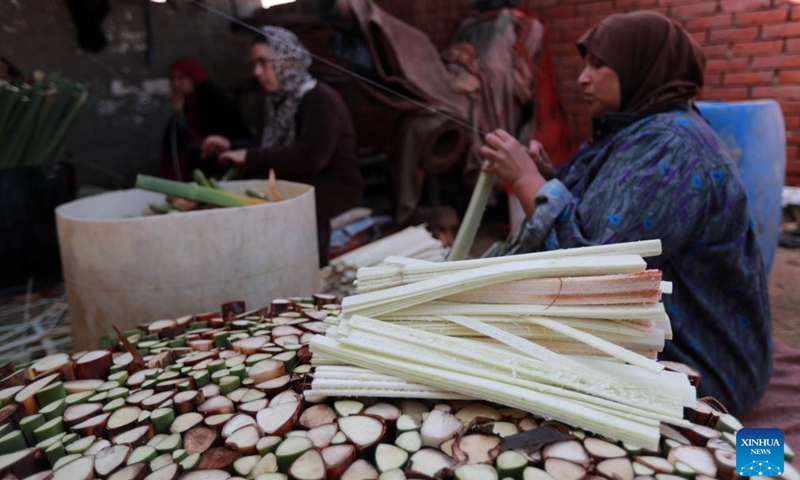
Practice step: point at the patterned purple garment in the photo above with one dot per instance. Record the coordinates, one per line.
(669, 176)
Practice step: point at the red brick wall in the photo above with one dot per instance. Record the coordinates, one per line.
(752, 47)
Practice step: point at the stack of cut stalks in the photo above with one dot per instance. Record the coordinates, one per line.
(414, 242)
(571, 335)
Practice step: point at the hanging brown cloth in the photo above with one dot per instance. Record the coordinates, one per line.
(405, 60)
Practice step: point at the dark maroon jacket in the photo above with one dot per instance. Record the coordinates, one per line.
(323, 155)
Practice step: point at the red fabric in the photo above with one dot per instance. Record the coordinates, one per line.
(190, 68)
(778, 407)
(553, 130)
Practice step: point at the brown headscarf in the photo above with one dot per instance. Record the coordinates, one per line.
(657, 62)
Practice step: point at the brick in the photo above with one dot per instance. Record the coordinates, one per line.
(562, 69)
(570, 80)
(597, 8)
(748, 78)
(680, 2)
(571, 60)
(712, 79)
(569, 23)
(778, 61)
(563, 49)
(566, 35)
(693, 10)
(780, 92)
(555, 35)
(793, 45)
(745, 34)
(630, 5)
(596, 18)
(565, 84)
(542, 3)
(781, 31)
(558, 11)
(765, 17)
(700, 37)
(792, 152)
(722, 20)
(580, 111)
(725, 94)
(750, 48)
(573, 108)
(789, 76)
(742, 5)
(792, 121)
(568, 71)
(716, 51)
(795, 15)
(790, 108)
(723, 66)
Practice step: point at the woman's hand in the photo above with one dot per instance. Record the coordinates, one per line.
(509, 160)
(514, 164)
(214, 145)
(235, 157)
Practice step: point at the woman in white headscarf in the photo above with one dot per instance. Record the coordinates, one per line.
(307, 135)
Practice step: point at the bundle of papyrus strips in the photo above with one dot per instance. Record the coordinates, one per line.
(571, 335)
(414, 242)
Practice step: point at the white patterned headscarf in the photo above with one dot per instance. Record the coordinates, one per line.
(292, 61)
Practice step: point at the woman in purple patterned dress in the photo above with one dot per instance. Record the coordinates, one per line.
(655, 169)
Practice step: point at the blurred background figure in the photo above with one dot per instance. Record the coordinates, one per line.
(307, 134)
(202, 108)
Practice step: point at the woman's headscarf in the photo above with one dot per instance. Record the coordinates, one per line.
(657, 61)
(191, 69)
(292, 61)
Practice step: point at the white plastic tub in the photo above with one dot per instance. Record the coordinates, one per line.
(122, 268)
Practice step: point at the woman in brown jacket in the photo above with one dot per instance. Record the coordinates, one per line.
(308, 135)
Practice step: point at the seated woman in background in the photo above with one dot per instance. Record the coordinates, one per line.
(307, 135)
(655, 169)
(202, 108)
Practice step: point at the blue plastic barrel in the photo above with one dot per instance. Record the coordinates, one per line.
(756, 136)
